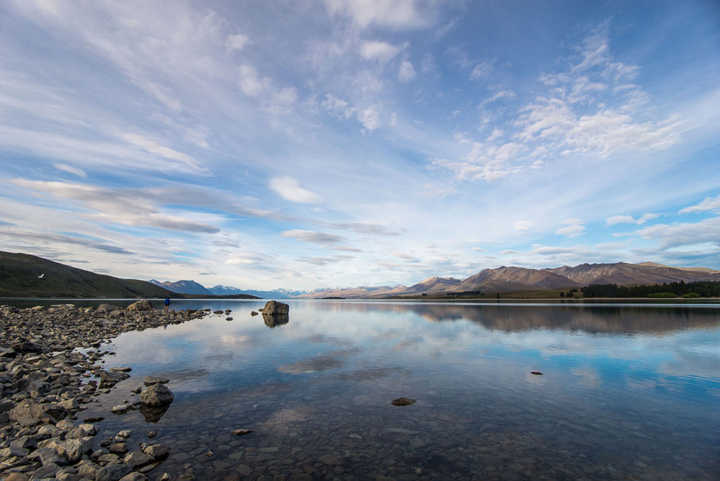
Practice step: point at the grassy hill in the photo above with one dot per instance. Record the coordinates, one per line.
(24, 275)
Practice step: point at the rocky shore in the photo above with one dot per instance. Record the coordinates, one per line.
(50, 367)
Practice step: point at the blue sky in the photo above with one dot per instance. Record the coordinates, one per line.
(306, 144)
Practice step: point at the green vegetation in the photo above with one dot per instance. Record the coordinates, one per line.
(668, 290)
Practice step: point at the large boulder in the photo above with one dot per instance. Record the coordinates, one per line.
(29, 413)
(156, 395)
(276, 308)
(143, 305)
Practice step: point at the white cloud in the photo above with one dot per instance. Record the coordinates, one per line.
(522, 225)
(150, 145)
(709, 203)
(406, 72)
(289, 189)
(502, 94)
(236, 42)
(70, 170)
(572, 228)
(481, 70)
(377, 50)
(384, 13)
(251, 84)
(312, 236)
(337, 106)
(628, 219)
(684, 234)
(369, 118)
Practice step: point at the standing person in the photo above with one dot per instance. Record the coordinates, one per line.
(167, 304)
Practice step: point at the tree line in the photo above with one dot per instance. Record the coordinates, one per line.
(670, 289)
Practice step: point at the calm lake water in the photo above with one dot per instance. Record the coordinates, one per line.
(627, 392)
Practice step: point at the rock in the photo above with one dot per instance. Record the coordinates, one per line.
(16, 477)
(73, 449)
(120, 409)
(329, 459)
(218, 312)
(156, 451)
(112, 472)
(536, 373)
(81, 431)
(151, 434)
(120, 369)
(150, 380)
(156, 395)
(134, 477)
(403, 401)
(275, 307)
(253, 313)
(26, 347)
(124, 434)
(143, 305)
(241, 432)
(118, 448)
(102, 308)
(228, 318)
(29, 413)
(137, 459)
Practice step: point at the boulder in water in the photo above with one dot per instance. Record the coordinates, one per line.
(275, 307)
(156, 395)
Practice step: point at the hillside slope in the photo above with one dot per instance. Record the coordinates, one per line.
(24, 275)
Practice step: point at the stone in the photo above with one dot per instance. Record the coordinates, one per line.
(536, 373)
(143, 305)
(275, 307)
(16, 477)
(137, 459)
(156, 451)
(403, 401)
(254, 313)
(29, 413)
(156, 395)
(241, 432)
(120, 408)
(134, 477)
(228, 319)
(150, 380)
(118, 448)
(112, 472)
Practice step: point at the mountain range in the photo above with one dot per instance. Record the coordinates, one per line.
(514, 279)
(24, 275)
(192, 287)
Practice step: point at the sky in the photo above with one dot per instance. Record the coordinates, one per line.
(308, 144)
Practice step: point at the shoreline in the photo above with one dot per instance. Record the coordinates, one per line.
(50, 368)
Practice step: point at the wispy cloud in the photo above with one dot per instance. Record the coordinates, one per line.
(290, 189)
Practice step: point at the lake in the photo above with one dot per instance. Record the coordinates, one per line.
(626, 391)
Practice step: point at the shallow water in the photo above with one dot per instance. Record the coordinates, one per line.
(627, 392)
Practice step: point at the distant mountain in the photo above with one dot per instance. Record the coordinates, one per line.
(506, 279)
(510, 279)
(183, 287)
(24, 275)
(634, 274)
(274, 294)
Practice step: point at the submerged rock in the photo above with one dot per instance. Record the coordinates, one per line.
(537, 373)
(403, 401)
(151, 380)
